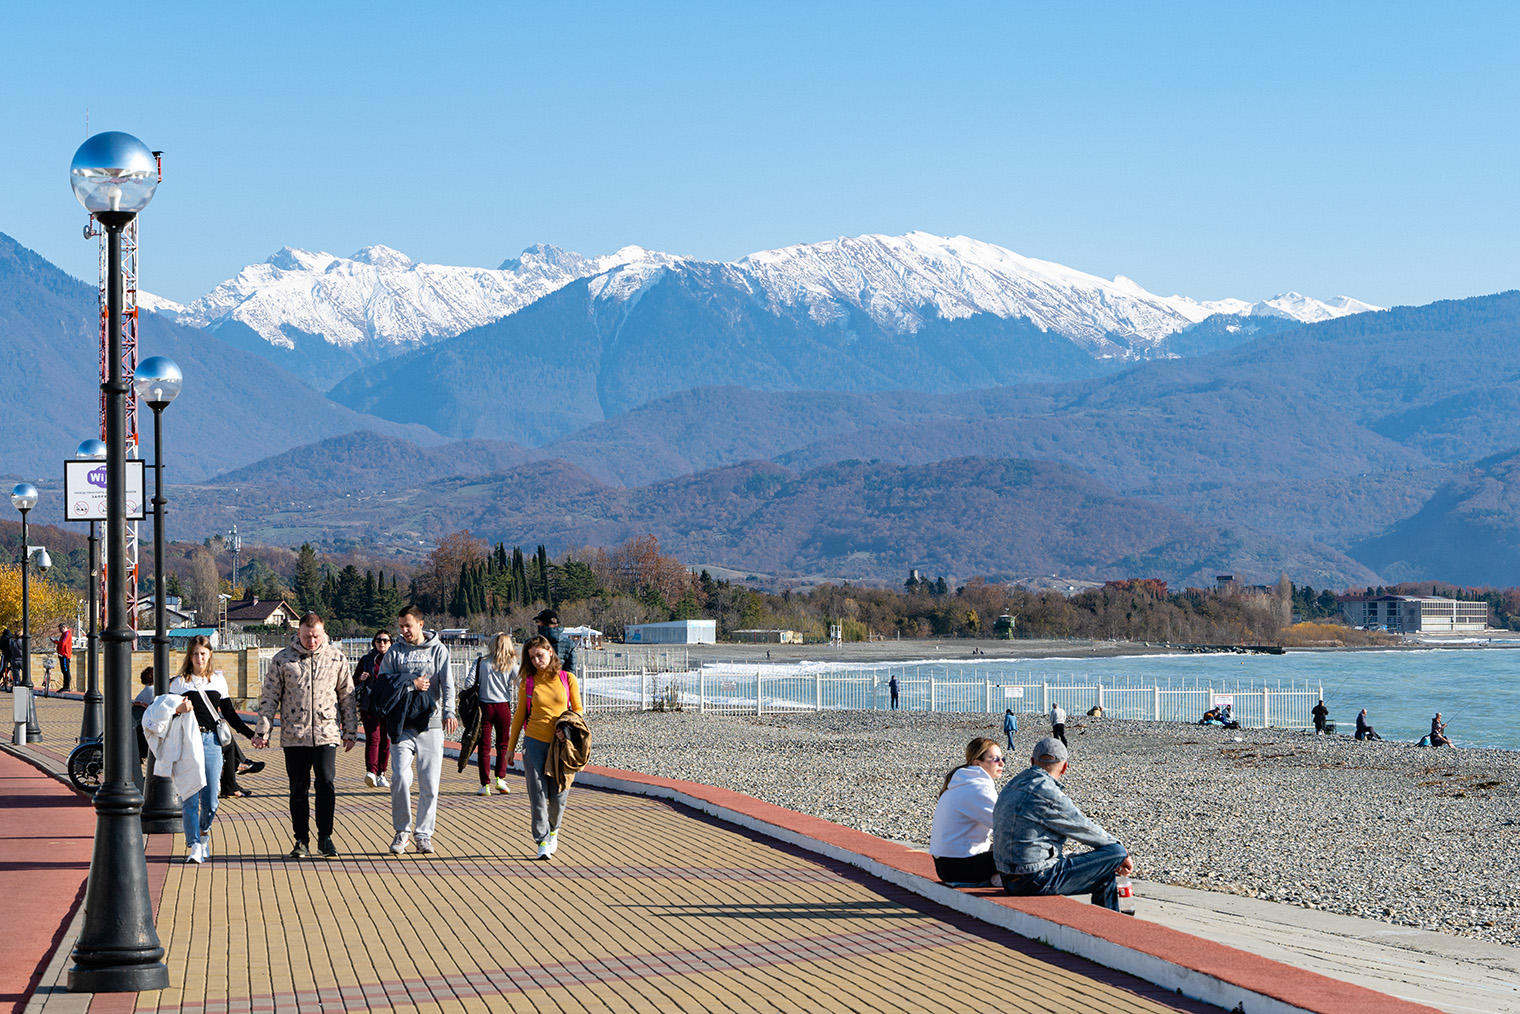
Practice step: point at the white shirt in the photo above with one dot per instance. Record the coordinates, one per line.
(963, 816)
(1057, 715)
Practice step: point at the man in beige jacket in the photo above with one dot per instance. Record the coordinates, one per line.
(309, 685)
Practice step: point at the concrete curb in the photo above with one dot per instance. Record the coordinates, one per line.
(1193, 967)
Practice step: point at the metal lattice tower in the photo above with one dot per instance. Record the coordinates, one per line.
(128, 369)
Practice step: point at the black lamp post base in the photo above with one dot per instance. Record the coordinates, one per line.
(161, 813)
(124, 977)
(92, 725)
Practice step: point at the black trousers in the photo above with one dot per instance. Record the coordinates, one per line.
(300, 761)
(1059, 732)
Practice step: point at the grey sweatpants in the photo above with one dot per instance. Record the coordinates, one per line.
(427, 747)
(546, 803)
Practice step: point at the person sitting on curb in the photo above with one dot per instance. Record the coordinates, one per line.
(960, 835)
(1030, 825)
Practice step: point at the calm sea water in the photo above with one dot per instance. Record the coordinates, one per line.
(1477, 690)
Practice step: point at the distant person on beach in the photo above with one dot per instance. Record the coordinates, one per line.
(1058, 723)
(564, 644)
(417, 670)
(1321, 713)
(1364, 729)
(309, 686)
(1438, 732)
(1010, 726)
(1030, 826)
(892, 690)
(960, 837)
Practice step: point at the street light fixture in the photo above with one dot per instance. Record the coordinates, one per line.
(158, 381)
(24, 498)
(91, 726)
(114, 176)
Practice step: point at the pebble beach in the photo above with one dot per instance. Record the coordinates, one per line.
(1412, 836)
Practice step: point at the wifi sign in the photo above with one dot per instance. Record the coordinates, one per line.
(96, 477)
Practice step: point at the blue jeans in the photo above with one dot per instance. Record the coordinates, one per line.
(1089, 872)
(200, 809)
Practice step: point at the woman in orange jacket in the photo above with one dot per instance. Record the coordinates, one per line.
(545, 693)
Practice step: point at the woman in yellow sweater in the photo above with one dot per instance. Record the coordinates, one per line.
(545, 693)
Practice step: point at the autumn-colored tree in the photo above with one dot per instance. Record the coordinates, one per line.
(50, 602)
(445, 562)
(638, 566)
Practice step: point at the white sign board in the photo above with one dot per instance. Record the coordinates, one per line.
(1220, 700)
(84, 490)
(1012, 692)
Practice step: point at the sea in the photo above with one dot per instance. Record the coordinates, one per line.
(1477, 690)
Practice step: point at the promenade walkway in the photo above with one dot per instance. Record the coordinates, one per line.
(649, 905)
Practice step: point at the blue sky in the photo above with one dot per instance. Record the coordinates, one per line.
(1207, 149)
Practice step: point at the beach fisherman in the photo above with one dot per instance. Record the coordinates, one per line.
(1030, 826)
(1058, 723)
(1321, 713)
(1438, 732)
(892, 689)
(1010, 726)
(1364, 729)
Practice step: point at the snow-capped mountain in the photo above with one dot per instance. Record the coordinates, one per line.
(379, 296)
(335, 313)
(900, 281)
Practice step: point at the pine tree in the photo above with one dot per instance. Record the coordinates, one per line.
(308, 581)
(543, 575)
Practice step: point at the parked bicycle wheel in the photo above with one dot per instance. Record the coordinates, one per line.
(87, 766)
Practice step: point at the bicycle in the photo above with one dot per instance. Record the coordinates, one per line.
(87, 765)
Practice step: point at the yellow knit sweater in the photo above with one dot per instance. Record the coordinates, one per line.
(549, 702)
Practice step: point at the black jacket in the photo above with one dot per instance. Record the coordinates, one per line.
(403, 710)
(564, 646)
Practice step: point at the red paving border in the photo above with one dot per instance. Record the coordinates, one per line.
(1198, 968)
(45, 845)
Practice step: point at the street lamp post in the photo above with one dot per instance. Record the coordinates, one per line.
(114, 176)
(24, 498)
(91, 726)
(158, 381)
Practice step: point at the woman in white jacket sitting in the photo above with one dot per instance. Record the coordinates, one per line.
(961, 837)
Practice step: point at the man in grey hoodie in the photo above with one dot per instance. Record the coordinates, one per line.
(418, 664)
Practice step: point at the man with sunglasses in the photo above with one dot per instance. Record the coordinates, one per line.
(1030, 826)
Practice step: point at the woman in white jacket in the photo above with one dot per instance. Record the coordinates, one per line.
(961, 837)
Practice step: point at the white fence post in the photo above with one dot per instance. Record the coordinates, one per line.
(701, 690)
(1100, 693)
(759, 705)
(987, 696)
(1157, 690)
(1045, 698)
(933, 701)
(1266, 708)
(818, 691)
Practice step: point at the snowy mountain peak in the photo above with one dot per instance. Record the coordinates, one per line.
(293, 259)
(382, 257)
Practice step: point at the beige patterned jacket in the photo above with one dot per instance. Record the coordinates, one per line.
(311, 691)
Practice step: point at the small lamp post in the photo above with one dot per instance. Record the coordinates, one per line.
(91, 726)
(24, 498)
(158, 381)
(114, 176)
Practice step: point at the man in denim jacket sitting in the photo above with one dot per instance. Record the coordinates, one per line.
(1030, 825)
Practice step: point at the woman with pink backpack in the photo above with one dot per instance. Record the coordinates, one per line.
(546, 693)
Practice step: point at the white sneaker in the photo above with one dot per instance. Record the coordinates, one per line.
(543, 849)
(385, 782)
(552, 842)
(425, 844)
(403, 839)
(484, 790)
(501, 786)
(371, 780)
(195, 855)
(206, 847)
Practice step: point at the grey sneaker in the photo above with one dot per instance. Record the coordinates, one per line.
(425, 844)
(301, 851)
(403, 839)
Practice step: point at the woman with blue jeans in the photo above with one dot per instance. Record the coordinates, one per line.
(205, 692)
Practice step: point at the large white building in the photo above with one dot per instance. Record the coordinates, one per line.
(1410, 614)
